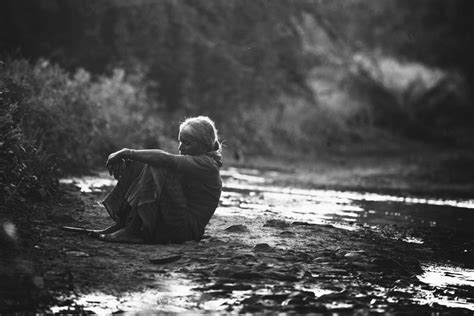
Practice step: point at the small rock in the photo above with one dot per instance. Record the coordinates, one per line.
(263, 247)
(278, 223)
(237, 229)
(299, 223)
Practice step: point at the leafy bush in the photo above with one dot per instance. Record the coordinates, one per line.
(80, 119)
(52, 122)
(26, 171)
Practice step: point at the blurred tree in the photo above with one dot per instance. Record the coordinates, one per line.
(197, 51)
(228, 58)
(442, 34)
(436, 32)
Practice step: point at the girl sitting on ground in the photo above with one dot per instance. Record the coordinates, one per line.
(162, 197)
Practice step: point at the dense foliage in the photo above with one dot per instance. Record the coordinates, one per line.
(26, 171)
(78, 119)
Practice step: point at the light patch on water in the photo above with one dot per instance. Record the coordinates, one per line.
(339, 305)
(174, 298)
(291, 208)
(318, 212)
(348, 196)
(98, 303)
(238, 174)
(345, 227)
(318, 292)
(218, 304)
(454, 281)
(266, 291)
(89, 184)
(329, 199)
(428, 297)
(445, 275)
(413, 240)
(445, 301)
(348, 208)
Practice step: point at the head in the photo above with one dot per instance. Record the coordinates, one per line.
(198, 135)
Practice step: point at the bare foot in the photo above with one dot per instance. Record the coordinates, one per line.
(122, 236)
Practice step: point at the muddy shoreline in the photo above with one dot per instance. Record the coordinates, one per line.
(250, 261)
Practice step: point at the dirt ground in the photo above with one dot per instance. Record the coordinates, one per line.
(252, 263)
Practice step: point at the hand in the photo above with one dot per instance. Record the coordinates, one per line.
(116, 157)
(117, 169)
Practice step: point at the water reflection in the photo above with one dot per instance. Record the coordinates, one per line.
(448, 285)
(365, 208)
(248, 193)
(89, 184)
(173, 296)
(319, 206)
(248, 189)
(445, 275)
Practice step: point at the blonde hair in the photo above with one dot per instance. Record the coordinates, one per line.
(203, 129)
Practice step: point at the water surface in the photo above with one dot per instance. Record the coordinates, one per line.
(249, 192)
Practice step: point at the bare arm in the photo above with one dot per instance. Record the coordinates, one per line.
(155, 157)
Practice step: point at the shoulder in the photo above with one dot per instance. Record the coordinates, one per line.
(197, 164)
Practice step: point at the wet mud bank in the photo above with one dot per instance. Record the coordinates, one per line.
(268, 248)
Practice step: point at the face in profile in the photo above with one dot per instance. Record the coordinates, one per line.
(188, 145)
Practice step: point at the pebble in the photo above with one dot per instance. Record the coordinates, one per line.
(263, 247)
(237, 229)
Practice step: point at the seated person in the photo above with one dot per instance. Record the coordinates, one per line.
(166, 198)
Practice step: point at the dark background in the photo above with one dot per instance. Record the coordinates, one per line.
(281, 78)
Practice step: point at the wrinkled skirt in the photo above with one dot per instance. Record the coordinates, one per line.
(156, 196)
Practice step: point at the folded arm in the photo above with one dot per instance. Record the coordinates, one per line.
(155, 157)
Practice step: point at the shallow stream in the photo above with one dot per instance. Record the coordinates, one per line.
(251, 189)
(248, 192)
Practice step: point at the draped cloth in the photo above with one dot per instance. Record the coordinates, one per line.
(173, 205)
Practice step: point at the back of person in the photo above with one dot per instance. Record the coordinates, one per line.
(202, 185)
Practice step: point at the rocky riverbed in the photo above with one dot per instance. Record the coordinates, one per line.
(268, 248)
